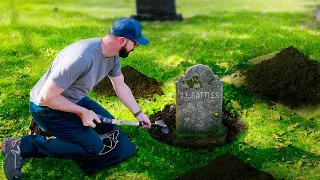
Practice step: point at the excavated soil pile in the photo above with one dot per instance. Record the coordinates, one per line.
(233, 127)
(227, 167)
(289, 78)
(140, 85)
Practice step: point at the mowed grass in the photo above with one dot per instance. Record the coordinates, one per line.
(221, 34)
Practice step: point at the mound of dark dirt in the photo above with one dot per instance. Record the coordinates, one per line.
(227, 167)
(289, 78)
(140, 85)
(233, 127)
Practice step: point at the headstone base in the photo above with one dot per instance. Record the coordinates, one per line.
(233, 126)
(152, 17)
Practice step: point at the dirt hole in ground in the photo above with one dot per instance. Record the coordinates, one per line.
(140, 85)
(232, 124)
(289, 78)
(226, 167)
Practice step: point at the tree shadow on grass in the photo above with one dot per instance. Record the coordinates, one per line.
(232, 38)
(222, 37)
(14, 19)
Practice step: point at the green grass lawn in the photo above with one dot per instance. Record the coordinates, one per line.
(221, 34)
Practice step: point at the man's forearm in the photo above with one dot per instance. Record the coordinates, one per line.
(125, 95)
(63, 104)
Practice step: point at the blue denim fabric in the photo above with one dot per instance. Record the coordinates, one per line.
(72, 139)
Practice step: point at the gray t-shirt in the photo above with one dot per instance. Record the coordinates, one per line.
(77, 68)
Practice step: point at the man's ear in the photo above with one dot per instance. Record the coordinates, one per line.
(122, 41)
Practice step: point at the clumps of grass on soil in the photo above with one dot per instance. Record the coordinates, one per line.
(289, 78)
(140, 85)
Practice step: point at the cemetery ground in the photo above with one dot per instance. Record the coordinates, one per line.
(279, 139)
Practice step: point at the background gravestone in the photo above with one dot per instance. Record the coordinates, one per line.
(317, 15)
(156, 10)
(199, 101)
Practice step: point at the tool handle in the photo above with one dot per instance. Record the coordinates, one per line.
(121, 122)
(118, 122)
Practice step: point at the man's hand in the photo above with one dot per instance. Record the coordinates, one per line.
(88, 117)
(144, 118)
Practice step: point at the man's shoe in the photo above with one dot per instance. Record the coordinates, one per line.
(13, 161)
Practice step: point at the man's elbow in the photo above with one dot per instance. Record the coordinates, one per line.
(49, 92)
(44, 99)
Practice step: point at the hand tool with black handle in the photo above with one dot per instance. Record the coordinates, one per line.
(159, 123)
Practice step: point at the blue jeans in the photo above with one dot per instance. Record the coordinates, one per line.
(72, 139)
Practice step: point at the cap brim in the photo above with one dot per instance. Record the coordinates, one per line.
(142, 40)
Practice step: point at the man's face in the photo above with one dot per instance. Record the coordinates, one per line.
(131, 45)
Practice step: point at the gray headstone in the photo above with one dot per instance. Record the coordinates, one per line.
(199, 101)
(156, 10)
(317, 15)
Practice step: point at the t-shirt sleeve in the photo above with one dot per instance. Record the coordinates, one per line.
(68, 70)
(116, 70)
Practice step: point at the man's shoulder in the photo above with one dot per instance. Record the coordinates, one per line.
(92, 42)
(83, 48)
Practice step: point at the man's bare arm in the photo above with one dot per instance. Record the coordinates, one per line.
(50, 95)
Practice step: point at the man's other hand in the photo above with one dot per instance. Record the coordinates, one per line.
(144, 118)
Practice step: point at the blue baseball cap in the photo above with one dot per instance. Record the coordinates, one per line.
(129, 28)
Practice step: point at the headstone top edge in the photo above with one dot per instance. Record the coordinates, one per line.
(188, 72)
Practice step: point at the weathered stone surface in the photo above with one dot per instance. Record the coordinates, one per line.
(199, 101)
